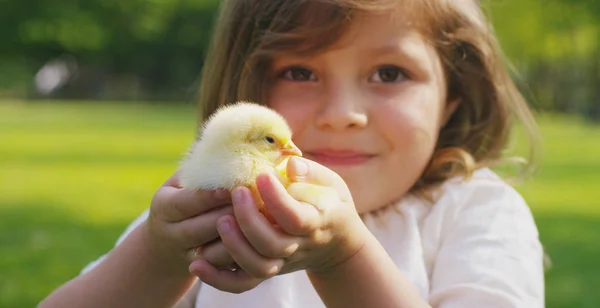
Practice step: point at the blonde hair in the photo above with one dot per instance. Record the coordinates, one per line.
(250, 33)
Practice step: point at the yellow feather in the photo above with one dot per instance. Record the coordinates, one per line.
(281, 172)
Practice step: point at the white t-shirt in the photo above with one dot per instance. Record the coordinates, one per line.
(477, 246)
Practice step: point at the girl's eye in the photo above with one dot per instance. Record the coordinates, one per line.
(270, 139)
(299, 74)
(389, 74)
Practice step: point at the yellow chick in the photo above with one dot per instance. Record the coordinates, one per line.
(237, 143)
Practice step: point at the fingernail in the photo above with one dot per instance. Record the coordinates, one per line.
(239, 196)
(193, 269)
(198, 252)
(300, 167)
(224, 226)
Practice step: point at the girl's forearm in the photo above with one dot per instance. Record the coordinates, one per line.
(132, 275)
(368, 279)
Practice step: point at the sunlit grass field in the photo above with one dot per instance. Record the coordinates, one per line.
(72, 176)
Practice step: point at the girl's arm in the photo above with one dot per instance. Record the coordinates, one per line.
(368, 279)
(132, 275)
(490, 256)
(189, 300)
(149, 267)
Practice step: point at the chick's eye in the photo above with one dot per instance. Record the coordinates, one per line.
(270, 139)
(389, 74)
(298, 74)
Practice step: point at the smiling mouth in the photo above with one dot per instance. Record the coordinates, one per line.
(339, 158)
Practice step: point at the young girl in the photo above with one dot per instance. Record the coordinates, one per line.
(409, 103)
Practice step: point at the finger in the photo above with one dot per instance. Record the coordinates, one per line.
(217, 255)
(304, 170)
(321, 197)
(244, 255)
(293, 217)
(174, 181)
(258, 230)
(225, 280)
(199, 230)
(177, 204)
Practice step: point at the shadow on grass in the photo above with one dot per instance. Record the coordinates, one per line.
(43, 247)
(573, 244)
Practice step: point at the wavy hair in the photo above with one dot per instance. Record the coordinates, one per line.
(250, 33)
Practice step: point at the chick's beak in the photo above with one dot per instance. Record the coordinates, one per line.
(290, 149)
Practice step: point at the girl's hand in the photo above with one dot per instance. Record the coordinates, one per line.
(181, 220)
(317, 229)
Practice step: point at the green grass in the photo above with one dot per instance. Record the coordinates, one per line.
(74, 175)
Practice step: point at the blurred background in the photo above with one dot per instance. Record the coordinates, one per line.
(97, 107)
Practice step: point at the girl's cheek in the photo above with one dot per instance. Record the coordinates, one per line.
(295, 109)
(410, 121)
(296, 117)
(420, 109)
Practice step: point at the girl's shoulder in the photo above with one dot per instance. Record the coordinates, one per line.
(483, 227)
(484, 193)
(484, 186)
(484, 201)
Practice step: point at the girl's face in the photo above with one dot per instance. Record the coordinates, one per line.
(369, 108)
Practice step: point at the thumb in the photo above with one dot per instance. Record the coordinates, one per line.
(297, 169)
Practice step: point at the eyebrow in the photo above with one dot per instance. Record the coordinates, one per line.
(405, 50)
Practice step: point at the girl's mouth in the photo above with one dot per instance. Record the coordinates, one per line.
(329, 157)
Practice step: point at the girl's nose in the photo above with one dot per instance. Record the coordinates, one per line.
(341, 109)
